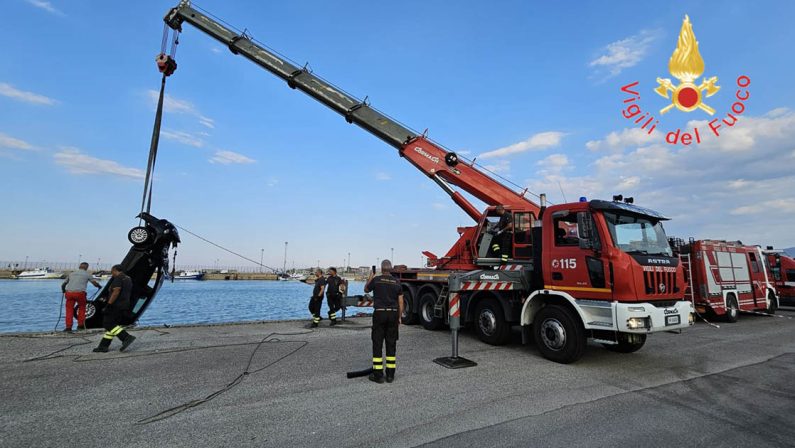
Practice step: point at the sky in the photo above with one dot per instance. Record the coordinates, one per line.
(532, 89)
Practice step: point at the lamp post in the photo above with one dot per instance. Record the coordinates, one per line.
(348, 267)
(392, 255)
(261, 255)
(284, 266)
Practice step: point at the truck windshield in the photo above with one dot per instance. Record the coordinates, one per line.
(638, 234)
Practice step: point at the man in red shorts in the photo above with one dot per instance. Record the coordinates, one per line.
(75, 290)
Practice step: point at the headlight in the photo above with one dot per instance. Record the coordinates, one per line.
(691, 318)
(634, 323)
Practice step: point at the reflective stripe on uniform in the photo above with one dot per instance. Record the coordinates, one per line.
(495, 247)
(332, 315)
(116, 330)
(391, 358)
(107, 335)
(390, 366)
(375, 360)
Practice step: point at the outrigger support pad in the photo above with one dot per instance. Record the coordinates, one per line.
(455, 362)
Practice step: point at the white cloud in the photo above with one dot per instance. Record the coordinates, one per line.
(28, 97)
(771, 207)
(502, 166)
(272, 182)
(739, 188)
(624, 139)
(76, 162)
(624, 53)
(208, 122)
(47, 6)
(180, 106)
(182, 137)
(6, 141)
(542, 140)
(230, 157)
(382, 176)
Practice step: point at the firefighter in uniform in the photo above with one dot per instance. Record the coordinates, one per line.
(388, 307)
(333, 295)
(117, 311)
(317, 297)
(501, 244)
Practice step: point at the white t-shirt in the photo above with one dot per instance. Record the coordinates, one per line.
(77, 281)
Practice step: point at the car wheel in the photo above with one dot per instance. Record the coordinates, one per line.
(139, 236)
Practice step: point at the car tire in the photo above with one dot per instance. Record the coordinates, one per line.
(140, 236)
(559, 335)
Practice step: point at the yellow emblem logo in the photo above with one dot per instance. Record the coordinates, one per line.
(686, 65)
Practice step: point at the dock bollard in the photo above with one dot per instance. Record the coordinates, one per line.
(454, 361)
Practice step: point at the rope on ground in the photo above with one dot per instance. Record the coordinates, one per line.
(168, 413)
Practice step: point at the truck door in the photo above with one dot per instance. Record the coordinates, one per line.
(575, 262)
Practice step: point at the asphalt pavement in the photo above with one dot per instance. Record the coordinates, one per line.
(282, 384)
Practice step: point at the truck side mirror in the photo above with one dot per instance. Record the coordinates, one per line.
(587, 232)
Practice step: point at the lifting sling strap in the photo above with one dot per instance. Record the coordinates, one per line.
(166, 65)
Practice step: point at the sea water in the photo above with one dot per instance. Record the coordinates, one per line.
(34, 305)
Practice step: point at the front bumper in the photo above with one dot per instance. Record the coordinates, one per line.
(642, 318)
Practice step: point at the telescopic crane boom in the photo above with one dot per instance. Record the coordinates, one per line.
(442, 166)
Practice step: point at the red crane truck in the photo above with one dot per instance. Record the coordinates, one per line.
(614, 280)
(782, 269)
(727, 277)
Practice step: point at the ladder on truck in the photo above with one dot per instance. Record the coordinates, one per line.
(440, 307)
(689, 294)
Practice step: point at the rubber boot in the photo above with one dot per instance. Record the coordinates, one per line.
(103, 346)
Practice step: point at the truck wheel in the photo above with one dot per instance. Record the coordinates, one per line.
(627, 343)
(558, 334)
(772, 305)
(427, 302)
(408, 316)
(490, 324)
(732, 309)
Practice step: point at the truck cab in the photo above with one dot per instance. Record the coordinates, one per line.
(605, 270)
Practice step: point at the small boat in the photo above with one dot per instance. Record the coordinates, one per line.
(297, 277)
(40, 273)
(190, 275)
(101, 275)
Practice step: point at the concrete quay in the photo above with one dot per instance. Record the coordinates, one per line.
(282, 384)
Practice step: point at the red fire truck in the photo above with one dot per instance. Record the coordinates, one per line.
(782, 269)
(590, 269)
(727, 277)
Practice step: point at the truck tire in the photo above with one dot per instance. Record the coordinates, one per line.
(490, 324)
(408, 316)
(624, 345)
(427, 302)
(559, 334)
(772, 306)
(732, 309)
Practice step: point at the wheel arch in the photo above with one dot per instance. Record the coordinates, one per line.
(477, 297)
(541, 298)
